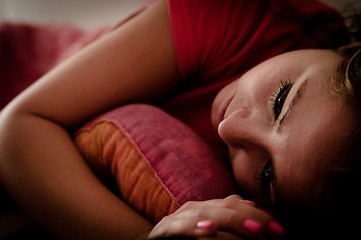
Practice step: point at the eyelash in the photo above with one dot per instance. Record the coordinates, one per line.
(265, 174)
(279, 96)
(265, 178)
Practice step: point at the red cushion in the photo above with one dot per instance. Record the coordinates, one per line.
(158, 162)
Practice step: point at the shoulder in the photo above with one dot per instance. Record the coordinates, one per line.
(207, 32)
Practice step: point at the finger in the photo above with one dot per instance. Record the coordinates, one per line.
(232, 214)
(251, 222)
(226, 202)
(184, 226)
(235, 215)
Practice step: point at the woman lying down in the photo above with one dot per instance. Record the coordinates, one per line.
(265, 87)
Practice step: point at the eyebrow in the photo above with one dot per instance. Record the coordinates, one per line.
(292, 103)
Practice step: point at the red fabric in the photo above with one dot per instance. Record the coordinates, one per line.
(28, 51)
(159, 163)
(217, 41)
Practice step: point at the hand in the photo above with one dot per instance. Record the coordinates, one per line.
(206, 219)
(219, 236)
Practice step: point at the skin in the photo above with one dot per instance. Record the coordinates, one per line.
(312, 117)
(226, 216)
(53, 183)
(50, 180)
(302, 143)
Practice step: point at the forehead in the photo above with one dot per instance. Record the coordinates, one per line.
(291, 65)
(304, 58)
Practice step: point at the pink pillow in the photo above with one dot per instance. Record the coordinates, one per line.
(158, 162)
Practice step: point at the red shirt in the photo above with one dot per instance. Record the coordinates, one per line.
(217, 41)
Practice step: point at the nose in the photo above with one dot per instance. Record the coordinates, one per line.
(250, 146)
(244, 128)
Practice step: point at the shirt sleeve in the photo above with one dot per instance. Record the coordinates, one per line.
(206, 32)
(217, 40)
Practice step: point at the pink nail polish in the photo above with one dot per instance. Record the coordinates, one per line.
(276, 228)
(249, 202)
(252, 225)
(205, 224)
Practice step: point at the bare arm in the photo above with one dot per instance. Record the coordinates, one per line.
(39, 163)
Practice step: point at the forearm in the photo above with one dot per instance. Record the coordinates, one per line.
(45, 174)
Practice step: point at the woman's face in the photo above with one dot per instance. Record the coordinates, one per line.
(283, 126)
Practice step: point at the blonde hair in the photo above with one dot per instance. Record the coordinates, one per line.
(341, 202)
(347, 79)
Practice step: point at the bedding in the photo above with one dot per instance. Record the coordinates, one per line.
(27, 51)
(158, 162)
(156, 168)
(153, 161)
(26, 55)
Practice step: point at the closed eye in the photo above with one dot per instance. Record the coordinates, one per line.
(265, 178)
(279, 97)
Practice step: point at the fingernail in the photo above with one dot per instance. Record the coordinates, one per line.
(252, 225)
(276, 228)
(249, 202)
(204, 224)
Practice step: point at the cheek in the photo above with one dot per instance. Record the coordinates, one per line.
(244, 170)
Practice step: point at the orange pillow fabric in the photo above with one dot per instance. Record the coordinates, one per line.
(158, 163)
